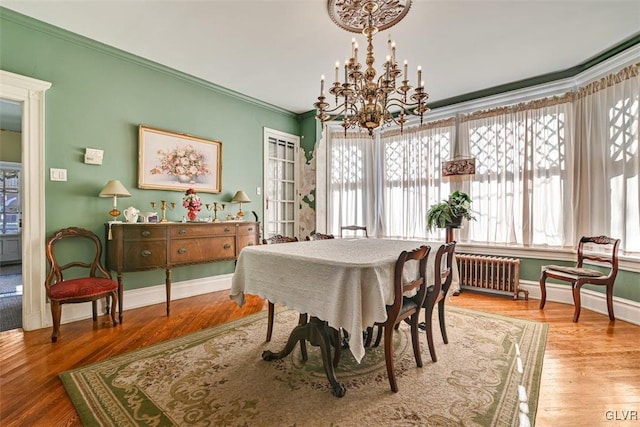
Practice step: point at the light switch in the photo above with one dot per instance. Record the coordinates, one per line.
(57, 174)
(258, 191)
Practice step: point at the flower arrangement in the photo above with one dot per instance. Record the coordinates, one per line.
(185, 163)
(192, 202)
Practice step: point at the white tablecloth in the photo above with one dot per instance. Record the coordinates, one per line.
(346, 282)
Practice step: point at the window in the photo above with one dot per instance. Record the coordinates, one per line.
(547, 171)
(10, 194)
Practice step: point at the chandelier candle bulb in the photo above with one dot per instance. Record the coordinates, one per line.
(370, 98)
(322, 85)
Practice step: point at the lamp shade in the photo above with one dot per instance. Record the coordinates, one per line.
(240, 197)
(114, 188)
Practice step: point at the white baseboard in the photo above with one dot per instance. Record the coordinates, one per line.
(146, 296)
(624, 309)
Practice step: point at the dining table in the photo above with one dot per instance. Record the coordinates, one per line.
(340, 283)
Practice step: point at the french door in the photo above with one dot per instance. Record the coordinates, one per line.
(280, 183)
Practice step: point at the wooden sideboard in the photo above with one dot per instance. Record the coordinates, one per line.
(141, 246)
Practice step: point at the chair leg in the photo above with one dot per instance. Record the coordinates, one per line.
(388, 356)
(576, 300)
(543, 290)
(610, 302)
(112, 312)
(367, 342)
(270, 321)
(94, 310)
(443, 326)
(429, 329)
(56, 311)
(415, 339)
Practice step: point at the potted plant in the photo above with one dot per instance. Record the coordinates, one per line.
(450, 213)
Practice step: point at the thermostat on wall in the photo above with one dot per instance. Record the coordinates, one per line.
(93, 156)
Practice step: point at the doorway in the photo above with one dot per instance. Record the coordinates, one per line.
(30, 93)
(280, 183)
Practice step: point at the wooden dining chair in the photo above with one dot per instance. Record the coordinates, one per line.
(87, 279)
(278, 238)
(437, 294)
(404, 308)
(579, 276)
(354, 229)
(320, 236)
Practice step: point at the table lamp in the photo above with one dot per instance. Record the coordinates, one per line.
(240, 197)
(114, 188)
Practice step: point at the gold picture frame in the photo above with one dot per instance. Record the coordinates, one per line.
(177, 161)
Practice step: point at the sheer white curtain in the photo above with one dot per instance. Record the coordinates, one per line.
(350, 187)
(410, 179)
(524, 159)
(608, 162)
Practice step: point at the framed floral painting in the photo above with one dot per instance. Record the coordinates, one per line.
(177, 161)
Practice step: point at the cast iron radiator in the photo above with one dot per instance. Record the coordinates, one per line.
(491, 274)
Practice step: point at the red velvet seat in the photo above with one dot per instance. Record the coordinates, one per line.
(91, 280)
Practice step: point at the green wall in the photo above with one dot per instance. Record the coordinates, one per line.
(99, 97)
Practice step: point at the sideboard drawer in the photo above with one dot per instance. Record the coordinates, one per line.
(188, 251)
(144, 232)
(244, 229)
(202, 230)
(144, 255)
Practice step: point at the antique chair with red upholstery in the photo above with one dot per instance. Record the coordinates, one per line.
(87, 280)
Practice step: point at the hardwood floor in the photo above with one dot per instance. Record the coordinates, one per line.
(590, 368)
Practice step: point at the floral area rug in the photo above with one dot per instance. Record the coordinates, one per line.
(216, 377)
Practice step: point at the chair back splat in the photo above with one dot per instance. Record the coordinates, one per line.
(279, 238)
(320, 236)
(354, 229)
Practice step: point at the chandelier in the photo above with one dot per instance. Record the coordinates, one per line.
(362, 99)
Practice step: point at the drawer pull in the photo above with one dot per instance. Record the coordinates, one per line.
(250, 244)
(146, 253)
(227, 229)
(182, 231)
(146, 233)
(250, 228)
(182, 251)
(227, 246)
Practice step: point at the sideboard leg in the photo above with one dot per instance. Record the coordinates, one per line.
(167, 283)
(120, 293)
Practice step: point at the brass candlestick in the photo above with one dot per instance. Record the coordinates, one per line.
(215, 210)
(163, 208)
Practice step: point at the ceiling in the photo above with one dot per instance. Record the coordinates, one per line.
(276, 50)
